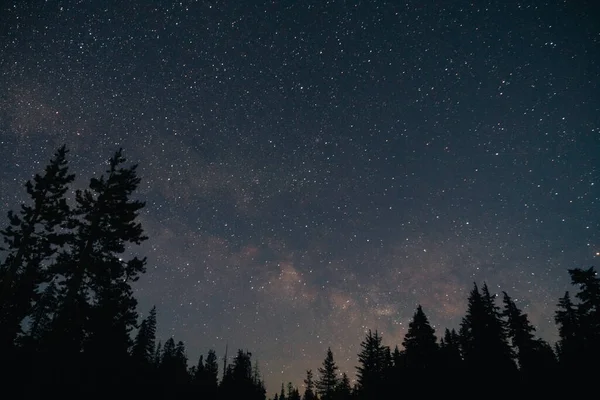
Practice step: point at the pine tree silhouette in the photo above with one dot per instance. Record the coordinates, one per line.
(238, 381)
(328, 378)
(372, 366)
(588, 309)
(450, 357)
(97, 308)
(343, 390)
(420, 343)
(282, 392)
(535, 356)
(484, 344)
(309, 386)
(144, 345)
(31, 238)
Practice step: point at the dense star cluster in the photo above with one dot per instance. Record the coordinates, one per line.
(313, 170)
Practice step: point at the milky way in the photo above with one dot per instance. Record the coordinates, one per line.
(315, 169)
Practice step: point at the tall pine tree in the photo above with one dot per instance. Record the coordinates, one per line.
(309, 386)
(588, 309)
(144, 345)
(420, 343)
(97, 308)
(32, 238)
(328, 377)
(533, 355)
(579, 324)
(484, 344)
(372, 366)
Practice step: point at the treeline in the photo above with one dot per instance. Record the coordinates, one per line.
(67, 310)
(68, 317)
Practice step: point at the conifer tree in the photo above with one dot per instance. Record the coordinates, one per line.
(41, 320)
(309, 386)
(158, 355)
(533, 354)
(420, 343)
(450, 357)
(238, 380)
(144, 345)
(398, 359)
(282, 392)
(484, 344)
(211, 369)
(31, 239)
(181, 372)
(579, 324)
(372, 366)
(343, 390)
(173, 366)
(588, 309)
(97, 307)
(570, 346)
(328, 378)
(199, 372)
(293, 393)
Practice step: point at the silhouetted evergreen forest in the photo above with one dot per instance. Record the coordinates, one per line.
(69, 325)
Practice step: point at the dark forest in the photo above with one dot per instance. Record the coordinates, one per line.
(70, 324)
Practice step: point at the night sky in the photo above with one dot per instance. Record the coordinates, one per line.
(315, 169)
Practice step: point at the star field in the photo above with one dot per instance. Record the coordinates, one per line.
(315, 169)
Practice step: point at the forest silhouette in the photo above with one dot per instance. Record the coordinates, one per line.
(69, 323)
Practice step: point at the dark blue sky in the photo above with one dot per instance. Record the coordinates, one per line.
(313, 169)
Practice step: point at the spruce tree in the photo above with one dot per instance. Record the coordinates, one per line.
(158, 355)
(282, 392)
(31, 239)
(372, 366)
(328, 378)
(144, 345)
(570, 346)
(309, 386)
(211, 369)
(97, 308)
(343, 390)
(41, 320)
(588, 309)
(484, 344)
(450, 357)
(238, 380)
(533, 355)
(420, 343)
(579, 324)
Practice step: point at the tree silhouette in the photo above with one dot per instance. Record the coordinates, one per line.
(484, 344)
(533, 355)
(97, 308)
(144, 345)
(238, 380)
(282, 392)
(173, 364)
(309, 386)
(328, 378)
(579, 324)
(588, 309)
(450, 357)
(372, 366)
(420, 343)
(32, 237)
(293, 393)
(212, 368)
(144, 349)
(343, 390)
